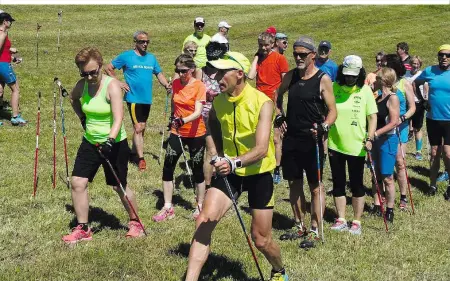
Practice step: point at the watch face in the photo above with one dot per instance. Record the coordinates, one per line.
(238, 163)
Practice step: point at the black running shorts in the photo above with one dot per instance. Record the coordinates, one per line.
(139, 112)
(438, 131)
(259, 187)
(417, 118)
(88, 161)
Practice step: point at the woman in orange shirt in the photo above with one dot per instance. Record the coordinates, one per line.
(189, 95)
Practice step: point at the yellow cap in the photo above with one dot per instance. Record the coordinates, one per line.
(232, 60)
(444, 47)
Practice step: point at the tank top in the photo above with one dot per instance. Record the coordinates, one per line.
(305, 105)
(212, 90)
(99, 117)
(5, 55)
(383, 113)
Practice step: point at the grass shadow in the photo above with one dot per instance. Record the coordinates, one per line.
(217, 267)
(176, 200)
(105, 219)
(421, 170)
(420, 185)
(154, 156)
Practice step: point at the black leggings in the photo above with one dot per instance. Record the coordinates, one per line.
(355, 171)
(196, 147)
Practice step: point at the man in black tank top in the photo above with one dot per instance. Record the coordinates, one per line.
(310, 92)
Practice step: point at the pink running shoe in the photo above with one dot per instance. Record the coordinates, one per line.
(77, 235)
(135, 230)
(196, 212)
(164, 214)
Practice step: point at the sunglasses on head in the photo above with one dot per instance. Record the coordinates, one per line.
(301, 55)
(442, 55)
(91, 73)
(142, 41)
(177, 70)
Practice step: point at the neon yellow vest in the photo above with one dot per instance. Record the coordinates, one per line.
(238, 117)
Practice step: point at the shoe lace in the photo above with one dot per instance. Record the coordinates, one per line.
(163, 212)
(276, 276)
(78, 231)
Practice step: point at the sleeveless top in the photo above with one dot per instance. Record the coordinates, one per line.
(99, 116)
(305, 105)
(238, 117)
(212, 90)
(383, 113)
(5, 55)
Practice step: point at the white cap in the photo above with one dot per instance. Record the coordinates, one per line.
(199, 20)
(1, 11)
(224, 24)
(352, 65)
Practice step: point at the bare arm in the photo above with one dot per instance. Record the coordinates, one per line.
(109, 69)
(426, 88)
(372, 125)
(114, 95)
(2, 38)
(410, 100)
(326, 90)
(163, 81)
(284, 86)
(394, 114)
(196, 114)
(252, 72)
(75, 96)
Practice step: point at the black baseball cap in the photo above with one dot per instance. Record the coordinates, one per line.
(6, 16)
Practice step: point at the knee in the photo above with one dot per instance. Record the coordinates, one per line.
(400, 164)
(78, 184)
(116, 189)
(139, 128)
(261, 241)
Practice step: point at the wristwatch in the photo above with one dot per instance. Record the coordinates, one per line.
(325, 127)
(238, 163)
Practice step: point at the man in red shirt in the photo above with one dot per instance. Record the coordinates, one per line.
(269, 67)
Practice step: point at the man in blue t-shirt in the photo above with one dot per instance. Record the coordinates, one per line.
(438, 116)
(323, 62)
(138, 67)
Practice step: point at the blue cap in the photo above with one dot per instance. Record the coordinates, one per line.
(280, 36)
(325, 44)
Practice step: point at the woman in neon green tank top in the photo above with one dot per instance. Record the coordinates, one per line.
(97, 100)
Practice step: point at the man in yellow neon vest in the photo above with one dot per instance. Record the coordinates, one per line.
(241, 124)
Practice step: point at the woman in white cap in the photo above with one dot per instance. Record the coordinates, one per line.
(349, 139)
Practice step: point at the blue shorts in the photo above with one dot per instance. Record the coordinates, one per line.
(404, 131)
(7, 74)
(384, 152)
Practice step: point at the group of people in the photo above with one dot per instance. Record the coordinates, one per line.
(240, 137)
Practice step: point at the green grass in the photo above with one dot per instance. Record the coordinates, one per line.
(416, 248)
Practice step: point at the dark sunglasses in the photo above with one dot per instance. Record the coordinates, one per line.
(200, 25)
(442, 55)
(192, 51)
(284, 42)
(143, 41)
(177, 70)
(301, 55)
(91, 73)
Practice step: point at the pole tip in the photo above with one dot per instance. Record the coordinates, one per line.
(39, 93)
(55, 79)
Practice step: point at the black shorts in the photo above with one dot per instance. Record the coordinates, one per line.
(259, 187)
(89, 160)
(417, 118)
(301, 155)
(139, 112)
(438, 131)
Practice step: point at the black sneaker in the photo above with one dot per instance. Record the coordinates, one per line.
(294, 233)
(432, 191)
(390, 217)
(376, 211)
(447, 194)
(309, 241)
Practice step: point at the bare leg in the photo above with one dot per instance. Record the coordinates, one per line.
(435, 163)
(138, 139)
(316, 210)
(390, 191)
(400, 167)
(340, 203)
(131, 197)
(358, 207)
(168, 191)
(297, 200)
(80, 199)
(278, 145)
(15, 92)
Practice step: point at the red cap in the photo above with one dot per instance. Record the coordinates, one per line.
(271, 29)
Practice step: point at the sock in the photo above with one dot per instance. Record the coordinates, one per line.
(167, 205)
(277, 169)
(402, 197)
(141, 158)
(419, 145)
(389, 210)
(282, 271)
(85, 226)
(315, 230)
(299, 224)
(356, 222)
(135, 219)
(342, 220)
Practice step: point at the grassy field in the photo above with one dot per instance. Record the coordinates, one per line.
(416, 248)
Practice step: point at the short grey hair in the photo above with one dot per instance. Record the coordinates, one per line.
(306, 42)
(137, 33)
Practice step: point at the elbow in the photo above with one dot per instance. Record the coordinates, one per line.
(262, 152)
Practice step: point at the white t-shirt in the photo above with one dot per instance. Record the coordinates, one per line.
(409, 77)
(218, 37)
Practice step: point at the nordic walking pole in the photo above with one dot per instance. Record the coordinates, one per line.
(320, 185)
(189, 172)
(54, 139)
(121, 188)
(162, 131)
(406, 171)
(230, 193)
(37, 145)
(63, 128)
(38, 27)
(372, 170)
(59, 29)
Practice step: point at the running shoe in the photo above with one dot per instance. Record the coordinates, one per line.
(18, 121)
(355, 229)
(196, 212)
(279, 277)
(134, 230)
(447, 194)
(309, 241)
(403, 204)
(276, 177)
(164, 214)
(376, 211)
(419, 156)
(142, 165)
(390, 216)
(432, 191)
(296, 232)
(77, 235)
(339, 225)
(443, 177)
(1, 123)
